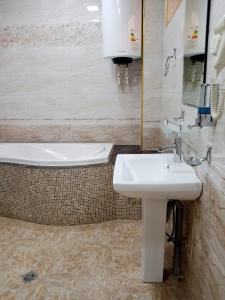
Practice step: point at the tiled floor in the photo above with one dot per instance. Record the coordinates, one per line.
(96, 262)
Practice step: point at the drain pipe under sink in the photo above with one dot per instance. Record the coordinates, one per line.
(176, 208)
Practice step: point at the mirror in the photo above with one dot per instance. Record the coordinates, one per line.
(195, 52)
(193, 80)
(171, 6)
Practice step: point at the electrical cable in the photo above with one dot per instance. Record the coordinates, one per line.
(217, 101)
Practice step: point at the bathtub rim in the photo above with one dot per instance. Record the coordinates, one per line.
(59, 164)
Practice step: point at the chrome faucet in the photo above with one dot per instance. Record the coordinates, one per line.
(177, 146)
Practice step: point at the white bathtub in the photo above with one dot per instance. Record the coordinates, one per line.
(45, 154)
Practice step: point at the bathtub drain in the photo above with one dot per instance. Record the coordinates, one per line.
(29, 276)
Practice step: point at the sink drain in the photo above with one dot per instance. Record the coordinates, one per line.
(29, 276)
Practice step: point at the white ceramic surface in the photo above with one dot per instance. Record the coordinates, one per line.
(155, 178)
(45, 154)
(139, 175)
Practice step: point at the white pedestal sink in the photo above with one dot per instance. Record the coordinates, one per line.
(155, 178)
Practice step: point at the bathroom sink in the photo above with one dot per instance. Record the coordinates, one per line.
(155, 178)
(155, 174)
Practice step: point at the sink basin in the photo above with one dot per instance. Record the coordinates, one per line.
(155, 178)
(156, 174)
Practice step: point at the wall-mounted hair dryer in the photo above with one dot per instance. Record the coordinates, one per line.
(218, 50)
(218, 45)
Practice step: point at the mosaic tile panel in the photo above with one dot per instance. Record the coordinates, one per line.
(63, 196)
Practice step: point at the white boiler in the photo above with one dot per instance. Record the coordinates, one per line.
(122, 22)
(195, 27)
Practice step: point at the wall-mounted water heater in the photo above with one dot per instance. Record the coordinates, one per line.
(122, 31)
(195, 27)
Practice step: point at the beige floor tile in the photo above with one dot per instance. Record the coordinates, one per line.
(96, 262)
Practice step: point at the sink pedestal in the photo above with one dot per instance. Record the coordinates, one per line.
(153, 240)
(155, 178)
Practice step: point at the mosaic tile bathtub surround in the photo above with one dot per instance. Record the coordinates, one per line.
(63, 196)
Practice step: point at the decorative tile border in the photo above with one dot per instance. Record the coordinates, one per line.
(57, 35)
